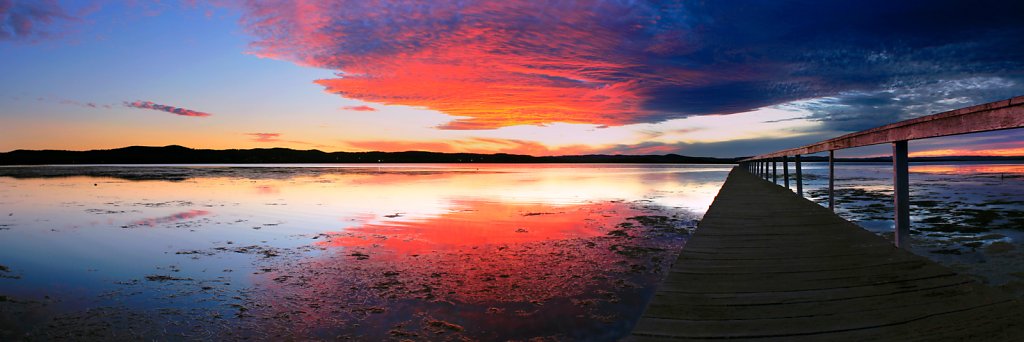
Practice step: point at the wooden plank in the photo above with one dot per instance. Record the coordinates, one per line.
(766, 264)
(993, 116)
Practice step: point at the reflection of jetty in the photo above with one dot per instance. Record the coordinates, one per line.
(767, 263)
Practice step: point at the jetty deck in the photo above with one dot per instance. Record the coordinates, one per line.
(768, 264)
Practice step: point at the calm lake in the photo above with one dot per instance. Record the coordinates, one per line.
(425, 251)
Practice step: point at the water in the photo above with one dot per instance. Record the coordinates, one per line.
(491, 252)
(316, 252)
(968, 216)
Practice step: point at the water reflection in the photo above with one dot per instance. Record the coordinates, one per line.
(152, 222)
(491, 251)
(969, 169)
(483, 270)
(471, 222)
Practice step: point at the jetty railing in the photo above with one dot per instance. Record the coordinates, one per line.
(993, 116)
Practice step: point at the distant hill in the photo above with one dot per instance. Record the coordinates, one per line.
(183, 155)
(175, 154)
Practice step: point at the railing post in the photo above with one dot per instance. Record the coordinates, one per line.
(901, 193)
(799, 178)
(775, 172)
(785, 170)
(832, 180)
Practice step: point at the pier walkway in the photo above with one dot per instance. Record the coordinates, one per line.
(766, 263)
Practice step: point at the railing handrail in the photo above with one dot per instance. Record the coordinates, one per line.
(992, 116)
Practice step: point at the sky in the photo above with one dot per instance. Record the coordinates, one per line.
(699, 78)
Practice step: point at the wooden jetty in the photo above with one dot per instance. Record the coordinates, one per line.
(768, 264)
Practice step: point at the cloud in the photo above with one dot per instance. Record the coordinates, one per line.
(496, 64)
(165, 108)
(470, 145)
(860, 110)
(265, 137)
(36, 20)
(71, 102)
(360, 108)
(730, 148)
(276, 138)
(85, 104)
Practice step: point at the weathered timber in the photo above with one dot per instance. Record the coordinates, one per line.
(766, 264)
(999, 115)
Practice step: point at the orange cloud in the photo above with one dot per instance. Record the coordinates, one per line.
(492, 64)
(276, 138)
(265, 137)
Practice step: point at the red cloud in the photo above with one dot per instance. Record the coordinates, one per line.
(513, 62)
(265, 137)
(165, 108)
(360, 108)
(494, 64)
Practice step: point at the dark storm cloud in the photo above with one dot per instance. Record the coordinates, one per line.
(855, 111)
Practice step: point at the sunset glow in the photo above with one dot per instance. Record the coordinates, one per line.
(996, 152)
(589, 77)
(511, 170)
